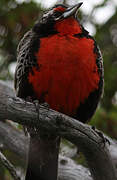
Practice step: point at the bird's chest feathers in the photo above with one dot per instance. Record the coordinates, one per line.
(68, 71)
(69, 26)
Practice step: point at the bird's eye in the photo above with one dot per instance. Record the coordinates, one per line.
(43, 18)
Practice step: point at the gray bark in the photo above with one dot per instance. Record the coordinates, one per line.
(88, 141)
(16, 142)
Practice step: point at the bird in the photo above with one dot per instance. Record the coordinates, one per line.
(58, 63)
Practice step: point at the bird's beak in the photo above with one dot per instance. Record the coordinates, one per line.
(71, 10)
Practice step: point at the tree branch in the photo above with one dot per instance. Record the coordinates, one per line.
(9, 166)
(52, 122)
(16, 142)
(13, 140)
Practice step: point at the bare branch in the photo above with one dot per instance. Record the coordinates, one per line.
(9, 166)
(16, 142)
(52, 122)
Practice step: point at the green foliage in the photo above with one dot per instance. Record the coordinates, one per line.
(15, 20)
(106, 117)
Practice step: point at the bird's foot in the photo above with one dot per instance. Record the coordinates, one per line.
(25, 128)
(29, 99)
(36, 104)
(104, 140)
(46, 105)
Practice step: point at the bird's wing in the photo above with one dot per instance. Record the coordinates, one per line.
(25, 61)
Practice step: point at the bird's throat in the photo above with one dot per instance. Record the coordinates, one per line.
(68, 26)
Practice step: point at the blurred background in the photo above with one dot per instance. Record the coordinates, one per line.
(99, 17)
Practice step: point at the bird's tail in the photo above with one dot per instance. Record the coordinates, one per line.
(43, 158)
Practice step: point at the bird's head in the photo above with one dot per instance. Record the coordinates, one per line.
(60, 18)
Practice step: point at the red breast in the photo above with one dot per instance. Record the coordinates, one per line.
(68, 71)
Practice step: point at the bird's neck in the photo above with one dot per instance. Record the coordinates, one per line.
(68, 26)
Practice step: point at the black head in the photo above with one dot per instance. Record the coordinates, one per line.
(57, 13)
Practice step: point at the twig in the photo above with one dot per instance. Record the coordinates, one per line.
(9, 166)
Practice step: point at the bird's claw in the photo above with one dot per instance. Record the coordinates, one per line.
(46, 105)
(104, 140)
